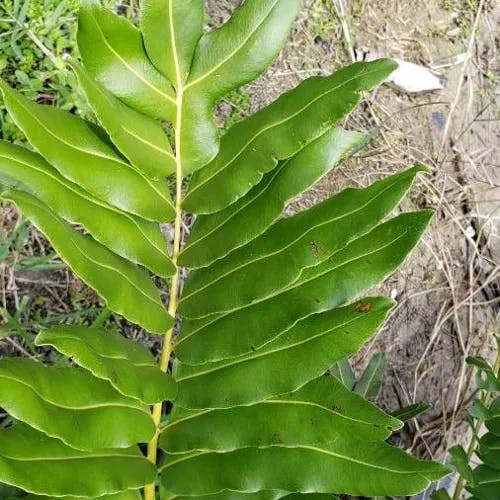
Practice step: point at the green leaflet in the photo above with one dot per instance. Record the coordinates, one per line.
(489, 450)
(127, 365)
(113, 53)
(370, 382)
(330, 410)
(486, 483)
(140, 138)
(360, 265)
(344, 372)
(214, 236)
(126, 495)
(493, 422)
(239, 51)
(224, 59)
(39, 464)
(311, 347)
(180, 24)
(407, 413)
(234, 495)
(54, 399)
(126, 289)
(78, 151)
(291, 245)
(336, 467)
(132, 237)
(254, 146)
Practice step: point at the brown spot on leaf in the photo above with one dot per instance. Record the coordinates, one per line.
(363, 307)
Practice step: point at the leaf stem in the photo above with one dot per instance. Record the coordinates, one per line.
(149, 490)
(102, 317)
(486, 398)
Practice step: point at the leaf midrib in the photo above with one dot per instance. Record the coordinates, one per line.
(105, 266)
(298, 283)
(93, 153)
(283, 249)
(269, 352)
(49, 401)
(234, 52)
(82, 194)
(284, 402)
(281, 122)
(301, 447)
(130, 68)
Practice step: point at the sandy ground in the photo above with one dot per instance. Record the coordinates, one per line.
(447, 292)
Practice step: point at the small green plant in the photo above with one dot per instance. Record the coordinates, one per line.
(270, 303)
(481, 480)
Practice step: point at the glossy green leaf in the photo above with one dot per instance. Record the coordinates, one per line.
(234, 495)
(371, 380)
(493, 421)
(486, 378)
(126, 289)
(79, 152)
(335, 467)
(239, 51)
(126, 495)
(214, 236)
(489, 450)
(9, 492)
(132, 237)
(441, 494)
(344, 372)
(478, 410)
(140, 138)
(486, 483)
(113, 52)
(411, 411)
(179, 23)
(279, 256)
(330, 410)
(227, 58)
(46, 398)
(127, 365)
(360, 265)
(254, 146)
(311, 347)
(312, 496)
(460, 461)
(29, 458)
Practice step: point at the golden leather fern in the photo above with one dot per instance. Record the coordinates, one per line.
(269, 305)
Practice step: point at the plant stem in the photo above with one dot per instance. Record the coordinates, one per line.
(102, 317)
(486, 398)
(149, 490)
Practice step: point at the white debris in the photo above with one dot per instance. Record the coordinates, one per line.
(413, 78)
(450, 61)
(409, 77)
(470, 232)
